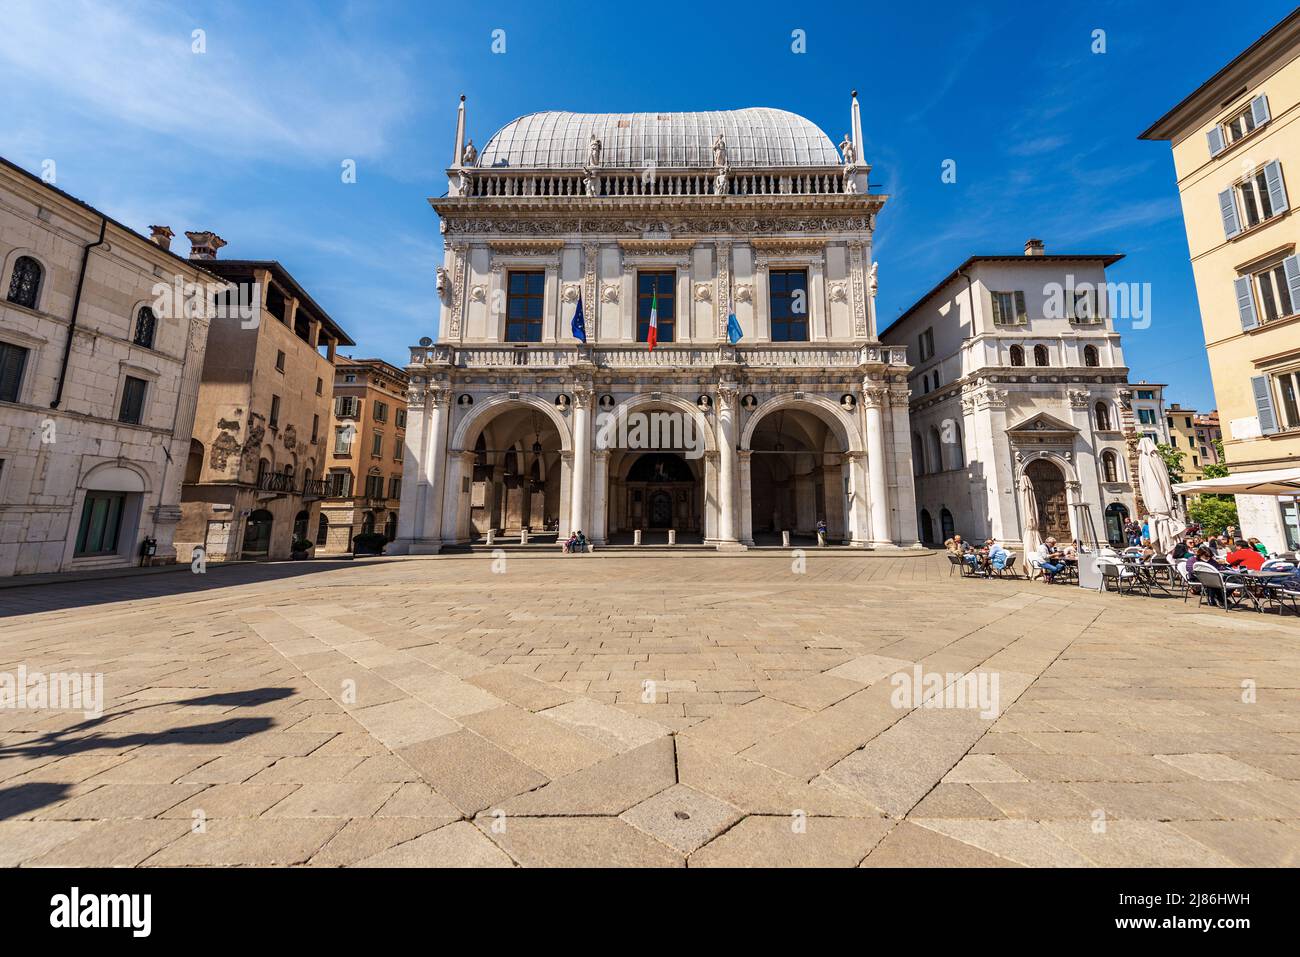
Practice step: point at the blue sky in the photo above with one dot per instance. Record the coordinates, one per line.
(248, 137)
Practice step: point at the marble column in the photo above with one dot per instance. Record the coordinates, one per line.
(746, 497)
(566, 495)
(581, 509)
(599, 497)
(727, 395)
(859, 536)
(415, 490)
(877, 467)
(429, 538)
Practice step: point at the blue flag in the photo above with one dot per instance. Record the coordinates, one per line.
(734, 332)
(579, 326)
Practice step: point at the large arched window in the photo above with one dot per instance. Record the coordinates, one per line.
(1103, 417)
(1040, 355)
(936, 451)
(25, 282)
(956, 453)
(322, 530)
(918, 455)
(927, 527)
(145, 324)
(1110, 466)
(1017, 356)
(1090, 356)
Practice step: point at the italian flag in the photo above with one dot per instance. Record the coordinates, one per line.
(652, 334)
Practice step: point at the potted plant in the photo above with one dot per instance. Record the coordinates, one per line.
(369, 543)
(300, 549)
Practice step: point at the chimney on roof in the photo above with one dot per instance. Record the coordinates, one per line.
(1034, 247)
(161, 236)
(204, 245)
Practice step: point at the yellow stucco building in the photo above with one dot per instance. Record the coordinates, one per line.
(1236, 150)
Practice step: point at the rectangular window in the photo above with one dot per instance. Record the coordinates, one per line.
(525, 294)
(340, 483)
(347, 407)
(1147, 416)
(1288, 393)
(315, 427)
(275, 412)
(401, 418)
(13, 359)
(1009, 308)
(1146, 394)
(381, 411)
(927, 344)
(788, 298)
(320, 385)
(132, 408)
(377, 445)
(1274, 292)
(279, 362)
(343, 440)
(658, 288)
(374, 486)
(101, 523)
(395, 487)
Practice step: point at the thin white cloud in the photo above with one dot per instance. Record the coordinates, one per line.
(249, 95)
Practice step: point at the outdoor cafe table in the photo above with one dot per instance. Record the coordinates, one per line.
(1148, 574)
(1256, 583)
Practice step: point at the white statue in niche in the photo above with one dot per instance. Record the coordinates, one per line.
(873, 282)
(442, 283)
(470, 156)
(720, 151)
(594, 149)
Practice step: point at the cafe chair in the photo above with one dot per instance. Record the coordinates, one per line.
(1209, 577)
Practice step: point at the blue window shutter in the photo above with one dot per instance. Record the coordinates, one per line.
(1264, 404)
(1228, 209)
(1246, 303)
(1215, 136)
(1276, 188)
(1259, 110)
(1291, 266)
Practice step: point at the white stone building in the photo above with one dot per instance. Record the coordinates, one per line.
(1149, 418)
(97, 391)
(1018, 369)
(804, 420)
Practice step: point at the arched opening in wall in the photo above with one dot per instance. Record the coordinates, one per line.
(322, 530)
(956, 448)
(1110, 466)
(947, 528)
(653, 492)
(194, 462)
(1102, 414)
(368, 523)
(927, 528)
(918, 456)
(936, 450)
(1116, 517)
(390, 526)
(1090, 357)
(257, 534)
(1040, 355)
(516, 474)
(1049, 495)
(1017, 356)
(799, 476)
(300, 525)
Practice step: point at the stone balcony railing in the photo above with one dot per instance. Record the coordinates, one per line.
(511, 183)
(627, 356)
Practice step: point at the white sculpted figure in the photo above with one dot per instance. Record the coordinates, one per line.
(593, 151)
(847, 151)
(720, 151)
(470, 156)
(720, 182)
(872, 281)
(442, 283)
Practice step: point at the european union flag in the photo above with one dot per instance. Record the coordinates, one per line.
(734, 332)
(579, 326)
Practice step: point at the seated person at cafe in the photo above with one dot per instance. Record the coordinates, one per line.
(1203, 557)
(1050, 560)
(955, 545)
(997, 554)
(1259, 546)
(1245, 557)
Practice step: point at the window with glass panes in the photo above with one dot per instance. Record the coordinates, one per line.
(101, 522)
(1255, 201)
(1288, 391)
(1274, 292)
(788, 304)
(649, 287)
(525, 293)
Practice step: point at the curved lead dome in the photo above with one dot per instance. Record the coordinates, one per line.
(755, 137)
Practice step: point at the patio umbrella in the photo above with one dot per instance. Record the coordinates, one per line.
(1153, 480)
(1280, 482)
(1029, 517)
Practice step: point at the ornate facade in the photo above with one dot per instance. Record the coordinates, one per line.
(516, 427)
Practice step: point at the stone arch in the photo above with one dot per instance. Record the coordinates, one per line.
(483, 412)
(1060, 461)
(116, 476)
(676, 402)
(14, 255)
(826, 410)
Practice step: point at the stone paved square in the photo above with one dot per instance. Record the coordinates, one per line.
(692, 709)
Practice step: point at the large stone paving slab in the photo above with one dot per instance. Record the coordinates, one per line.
(653, 710)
